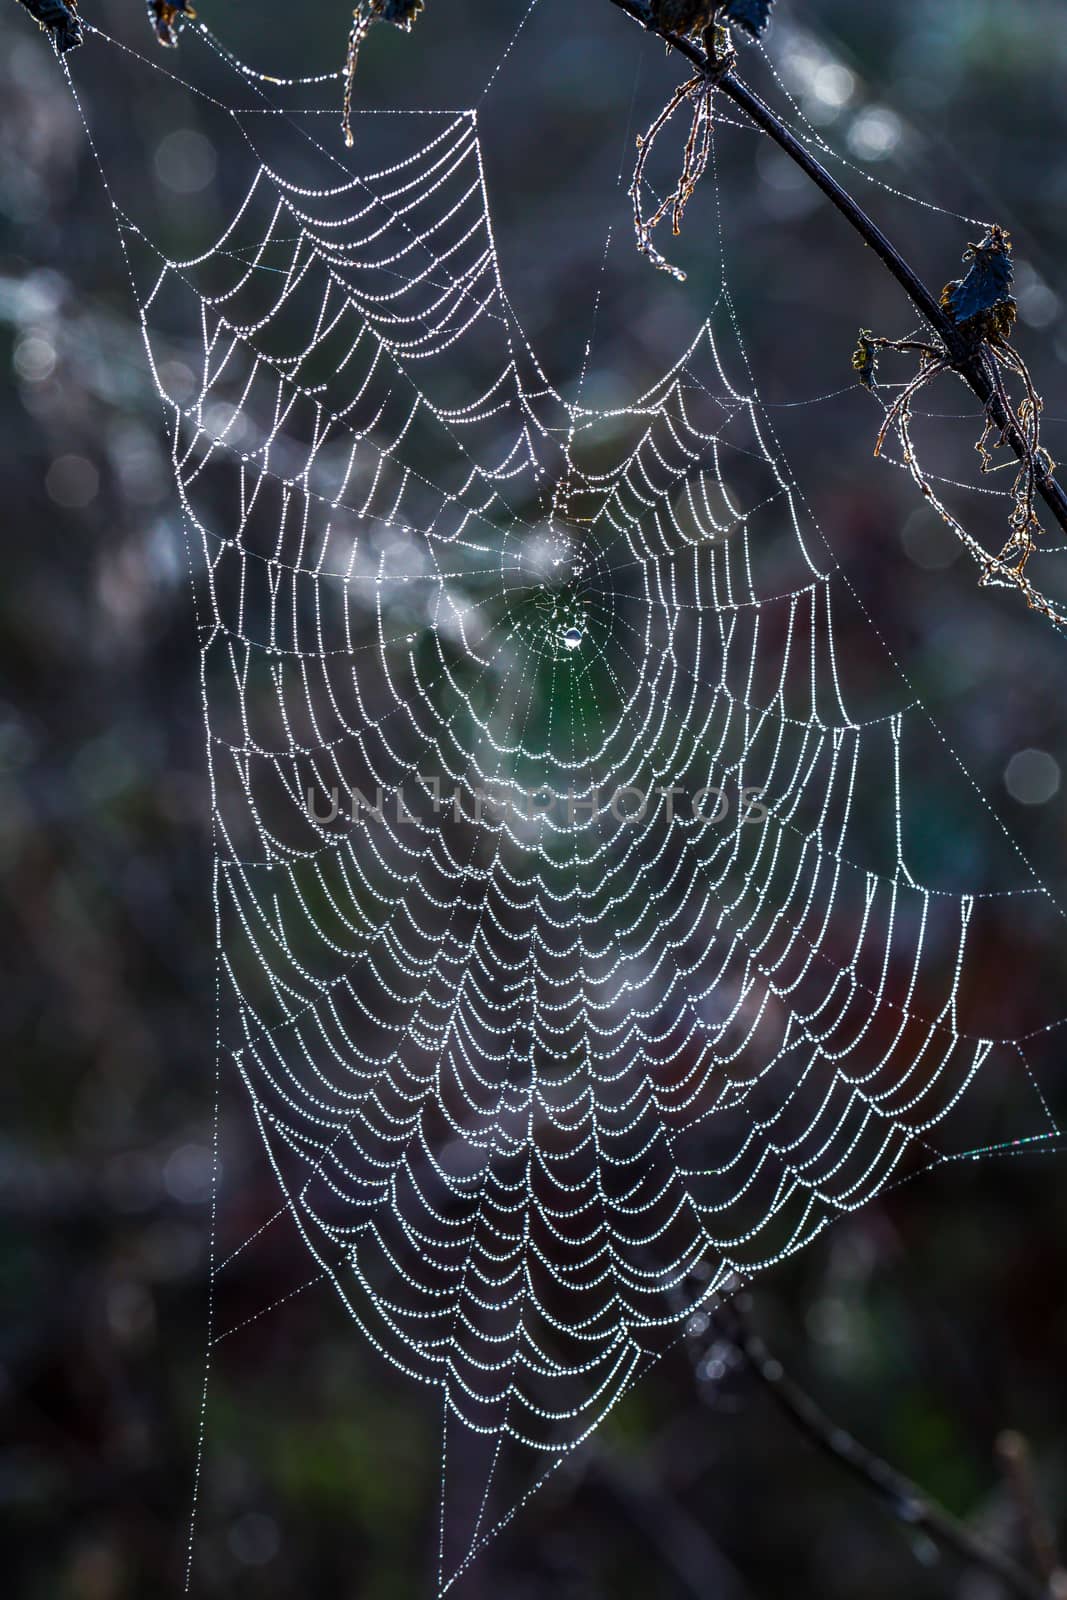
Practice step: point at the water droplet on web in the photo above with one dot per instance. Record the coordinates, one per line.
(573, 638)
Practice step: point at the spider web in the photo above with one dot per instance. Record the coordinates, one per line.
(564, 985)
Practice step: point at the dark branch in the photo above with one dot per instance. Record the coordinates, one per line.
(962, 356)
(909, 1504)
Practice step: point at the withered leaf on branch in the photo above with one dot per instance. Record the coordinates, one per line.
(59, 19)
(166, 18)
(683, 16)
(988, 283)
(752, 15)
(865, 360)
(694, 16)
(981, 305)
(400, 12)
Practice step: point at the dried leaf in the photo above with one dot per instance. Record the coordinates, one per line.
(988, 283)
(694, 16)
(401, 13)
(59, 19)
(865, 360)
(752, 15)
(166, 18)
(682, 16)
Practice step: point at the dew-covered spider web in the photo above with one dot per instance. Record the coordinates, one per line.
(577, 952)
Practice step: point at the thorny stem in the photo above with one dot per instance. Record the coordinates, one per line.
(962, 358)
(910, 1504)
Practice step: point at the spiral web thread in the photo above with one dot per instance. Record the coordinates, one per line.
(536, 1078)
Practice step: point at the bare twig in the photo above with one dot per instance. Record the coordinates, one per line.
(963, 359)
(1017, 1461)
(909, 1503)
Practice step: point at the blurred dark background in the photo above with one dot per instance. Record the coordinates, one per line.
(927, 1324)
